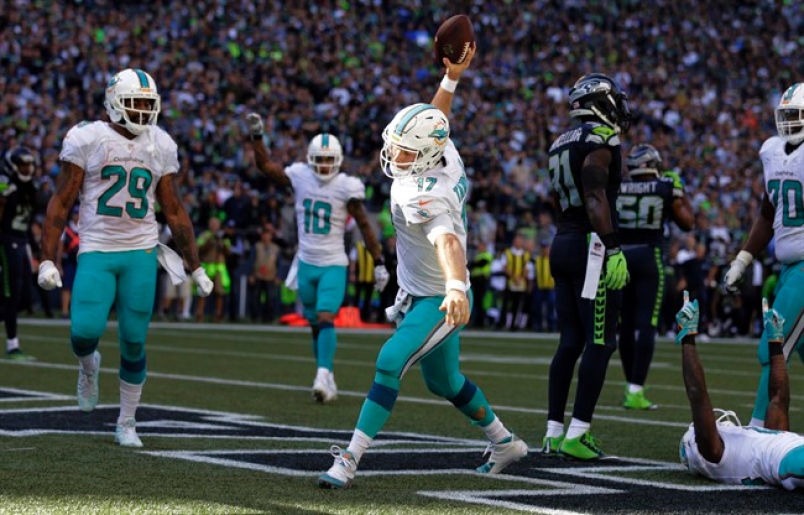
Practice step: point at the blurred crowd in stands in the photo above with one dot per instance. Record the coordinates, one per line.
(702, 82)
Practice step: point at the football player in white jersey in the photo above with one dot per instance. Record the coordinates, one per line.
(117, 170)
(716, 446)
(433, 302)
(781, 216)
(324, 200)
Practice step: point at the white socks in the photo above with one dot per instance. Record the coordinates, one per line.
(554, 429)
(496, 431)
(635, 388)
(577, 428)
(359, 444)
(129, 399)
(755, 422)
(12, 344)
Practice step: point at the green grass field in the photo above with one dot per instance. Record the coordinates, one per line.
(229, 427)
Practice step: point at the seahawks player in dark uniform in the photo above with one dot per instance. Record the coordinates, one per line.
(585, 165)
(17, 198)
(645, 203)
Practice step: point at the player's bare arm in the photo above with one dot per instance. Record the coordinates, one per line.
(594, 177)
(273, 170)
(443, 98)
(706, 436)
(777, 414)
(452, 259)
(178, 220)
(357, 209)
(68, 184)
(762, 229)
(682, 213)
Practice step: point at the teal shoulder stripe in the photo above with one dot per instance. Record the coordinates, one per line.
(325, 140)
(143, 78)
(409, 116)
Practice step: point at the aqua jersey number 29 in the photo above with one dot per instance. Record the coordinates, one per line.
(138, 181)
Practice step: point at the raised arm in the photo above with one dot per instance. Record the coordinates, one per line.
(446, 91)
(777, 416)
(706, 435)
(274, 171)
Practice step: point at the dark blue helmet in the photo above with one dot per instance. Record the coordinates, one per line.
(21, 162)
(600, 97)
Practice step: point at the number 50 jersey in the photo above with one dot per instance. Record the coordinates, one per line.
(321, 213)
(120, 179)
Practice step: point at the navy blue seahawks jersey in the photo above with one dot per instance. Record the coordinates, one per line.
(566, 157)
(19, 198)
(643, 207)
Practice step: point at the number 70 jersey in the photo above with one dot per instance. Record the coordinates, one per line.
(321, 213)
(784, 185)
(120, 178)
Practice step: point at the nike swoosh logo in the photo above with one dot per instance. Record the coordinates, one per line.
(424, 202)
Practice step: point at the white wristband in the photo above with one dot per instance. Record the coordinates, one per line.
(454, 284)
(448, 84)
(744, 257)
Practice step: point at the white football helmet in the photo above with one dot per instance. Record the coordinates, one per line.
(419, 130)
(325, 156)
(121, 93)
(790, 115)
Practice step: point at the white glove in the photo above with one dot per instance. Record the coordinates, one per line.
(203, 282)
(381, 277)
(737, 269)
(49, 276)
(254, 122)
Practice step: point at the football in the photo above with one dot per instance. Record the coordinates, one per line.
(453, 39)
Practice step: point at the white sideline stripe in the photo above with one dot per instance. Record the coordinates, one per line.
(467, 333)
(469, 371)
(347, 393)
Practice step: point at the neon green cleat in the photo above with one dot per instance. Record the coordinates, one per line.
(584, 447)
(18, 355)
(551, 444)
(638, 401)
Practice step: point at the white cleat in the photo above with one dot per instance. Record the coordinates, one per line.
(503, 454)
(324, 388)
(88, 386)
(125, 434)
(341, 473)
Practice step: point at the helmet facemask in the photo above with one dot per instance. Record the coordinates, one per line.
(325, 156)
(132, 100)
(414, 141)
(790, 124)
(22, 162)
(600, 97)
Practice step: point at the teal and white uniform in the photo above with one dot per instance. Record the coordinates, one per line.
(784, 185)
(751, 456)
(321, 214)
(119, 233)
(424, 207)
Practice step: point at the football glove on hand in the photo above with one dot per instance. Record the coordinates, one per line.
(381, 277)
(678, 183)
(737, 269)
(616, 269)
(204, 283)
(254, 122)
(49, 276)
(687, 318)
(773, 323)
